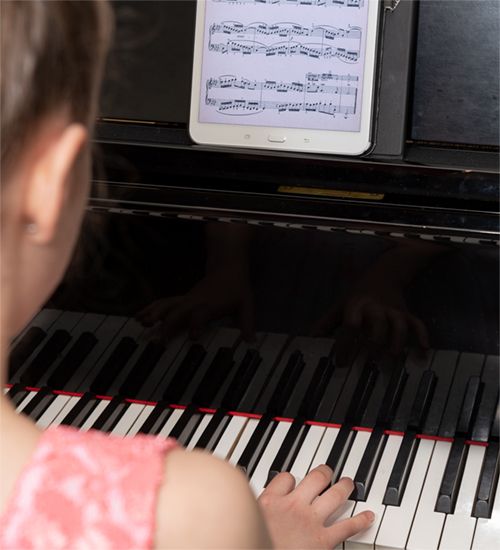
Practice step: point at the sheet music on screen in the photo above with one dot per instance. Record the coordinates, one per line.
(284, 63)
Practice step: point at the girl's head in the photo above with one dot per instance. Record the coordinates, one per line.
(52, 54)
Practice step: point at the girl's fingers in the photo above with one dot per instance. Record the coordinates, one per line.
(330, 500)
(315, 482)
(346, 528)
(281, 485)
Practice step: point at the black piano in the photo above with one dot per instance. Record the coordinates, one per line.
(284, 310)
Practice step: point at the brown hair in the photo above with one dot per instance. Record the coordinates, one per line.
(52, 54)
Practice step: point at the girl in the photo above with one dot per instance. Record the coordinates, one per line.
(68, 489)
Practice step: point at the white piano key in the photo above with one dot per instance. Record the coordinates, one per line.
(94, 415)
(487, 532)
(170, 423)
(428, 524)
(199, 430)
(72, 402)
(244, 438)
(127, 420)
(375, 496)
(139, 421)
(308, 450)
(323, 451)
(25, 401)
(230, 437)
(459, 527)
(388, 536)
(53, 411)
(350, 468)
(259, 477)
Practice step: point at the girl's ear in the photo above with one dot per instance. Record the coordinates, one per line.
(47, 185)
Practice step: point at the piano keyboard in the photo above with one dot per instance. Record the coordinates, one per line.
(418, 435)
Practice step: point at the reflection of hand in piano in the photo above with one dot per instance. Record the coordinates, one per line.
(221, 293)
(375, 311)
(224, 290)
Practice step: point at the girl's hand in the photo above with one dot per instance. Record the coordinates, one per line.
(297, 517)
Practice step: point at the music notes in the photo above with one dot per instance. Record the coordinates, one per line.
(279, 39)
(284, 63)
(322, 3)
(322, 93)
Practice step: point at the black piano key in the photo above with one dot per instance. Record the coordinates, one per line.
(21, 352)
(444, 365)
(338, 454)
(182, 423)
(141, 369)
(45, 357)
(81, 411)
(266, 426)
(256, 445)
(406, 454)
(72, 361)
(401, 470)
(191, 425)
(155, 421)
(392, 397)
(213, 378)
(469, 365)
(231, 400)
(203, 395)
(351, 382)
(185, 372)
(241, 382)
(308, 409)
(369, 464)
(469, 406)
(423, 400)
(316, 389)
(17, 393)
(33, 407)
(288, 450)
(113, 366)
(288, 380)
(376, 444)
(214, 430)
(488, 483)
(452, 477)
(489, 400)
(111, 415)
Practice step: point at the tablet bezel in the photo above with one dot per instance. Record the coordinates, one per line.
(296, 139)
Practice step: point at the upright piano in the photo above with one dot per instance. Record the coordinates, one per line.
(282, 310)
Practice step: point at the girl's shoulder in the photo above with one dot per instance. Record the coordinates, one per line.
(86, 489)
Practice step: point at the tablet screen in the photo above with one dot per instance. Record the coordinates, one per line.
(284, 63)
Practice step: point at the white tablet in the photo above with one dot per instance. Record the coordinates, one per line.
(296, 75)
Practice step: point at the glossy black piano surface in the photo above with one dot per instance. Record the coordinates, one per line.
(285, 310)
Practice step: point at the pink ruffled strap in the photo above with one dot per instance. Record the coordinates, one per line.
(86, 490)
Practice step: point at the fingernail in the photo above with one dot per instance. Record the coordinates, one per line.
(371, 516)
(347, 479)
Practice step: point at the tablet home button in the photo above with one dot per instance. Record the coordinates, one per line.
(273, 138)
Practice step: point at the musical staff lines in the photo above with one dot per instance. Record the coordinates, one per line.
(323, 93)
(259, 38)
(319, 3)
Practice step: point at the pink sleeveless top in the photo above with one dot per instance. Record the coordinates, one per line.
(86, 490)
